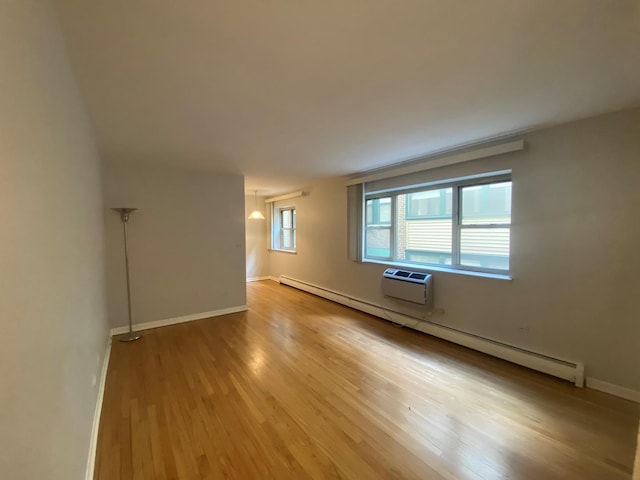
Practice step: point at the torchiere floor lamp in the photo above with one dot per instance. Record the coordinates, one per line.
(124, 216)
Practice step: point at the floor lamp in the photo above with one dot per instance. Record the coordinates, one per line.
(124, 216)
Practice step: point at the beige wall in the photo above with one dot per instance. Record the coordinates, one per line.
(575, 249)
(256, 232)
(186, 241)
(52, 307)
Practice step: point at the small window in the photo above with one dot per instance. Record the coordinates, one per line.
(284, 229)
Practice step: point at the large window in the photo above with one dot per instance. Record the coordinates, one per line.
(462, 224)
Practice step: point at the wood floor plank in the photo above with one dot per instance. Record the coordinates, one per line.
(299, 387)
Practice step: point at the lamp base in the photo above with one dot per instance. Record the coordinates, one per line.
(130, 337)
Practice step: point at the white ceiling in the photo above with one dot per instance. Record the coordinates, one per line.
(286, 91)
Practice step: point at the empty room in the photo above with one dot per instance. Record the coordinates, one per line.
(341, 239)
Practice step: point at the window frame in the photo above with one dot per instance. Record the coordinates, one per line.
(456, 221)
(277, 230)
(380, 226)
(291, 230)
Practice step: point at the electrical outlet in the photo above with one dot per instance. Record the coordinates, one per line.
(524, 329)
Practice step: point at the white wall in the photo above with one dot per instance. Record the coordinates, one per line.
(186, 241)
(256, 232)
(52, 309)
(575, 249)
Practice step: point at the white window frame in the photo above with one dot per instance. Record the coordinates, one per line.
(277, 231)
(456, 220)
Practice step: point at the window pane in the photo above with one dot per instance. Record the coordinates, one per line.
(378, 211)
(448, 203)
(385, 211)
(423, 229)
(286, 219)
(431, 203)
(400, 230)
(378, 242)
(486, 204)
(485, 247)
(430, 238)
(286, 238)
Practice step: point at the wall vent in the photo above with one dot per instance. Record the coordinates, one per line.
(414, 287)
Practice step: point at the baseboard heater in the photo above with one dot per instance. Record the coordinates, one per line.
(565, 369)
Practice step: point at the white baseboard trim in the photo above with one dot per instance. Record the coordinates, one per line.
(257, 279)
(613, 389)
(175, 320)
(93, 442)
(561, 368)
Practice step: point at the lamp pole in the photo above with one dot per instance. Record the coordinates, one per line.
(124, 216)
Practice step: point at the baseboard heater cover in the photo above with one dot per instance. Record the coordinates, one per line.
(560, 368)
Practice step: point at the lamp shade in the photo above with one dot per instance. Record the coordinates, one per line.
(256, 214)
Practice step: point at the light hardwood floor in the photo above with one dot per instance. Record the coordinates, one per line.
(299, 387)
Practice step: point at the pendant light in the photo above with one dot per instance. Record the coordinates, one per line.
(256, 214)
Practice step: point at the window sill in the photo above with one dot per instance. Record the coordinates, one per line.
(433, 268)
(283, 251)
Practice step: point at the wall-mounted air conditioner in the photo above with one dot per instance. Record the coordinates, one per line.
(409, 286)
